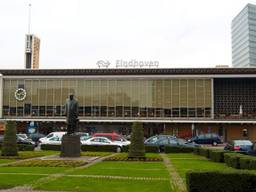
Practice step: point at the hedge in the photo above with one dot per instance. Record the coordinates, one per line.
(151, 149)
(102, 148)
(22, 147)
(196, 151)
(232, 159)
(247, 162)
(227, 181)
(177, 149)
(204, 152)
(217, 155)
(148, 148)
(50, 147)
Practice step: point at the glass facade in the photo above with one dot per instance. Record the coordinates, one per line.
(107, 98)
(244, 38)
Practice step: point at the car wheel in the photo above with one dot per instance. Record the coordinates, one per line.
(214, 143)
(118, 150)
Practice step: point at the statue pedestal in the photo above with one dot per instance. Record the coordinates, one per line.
(70, 146)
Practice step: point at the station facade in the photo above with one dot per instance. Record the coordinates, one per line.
(184, 102)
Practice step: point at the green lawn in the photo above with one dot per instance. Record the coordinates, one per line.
(149, 155)
(30, 154)
(2, 161)
(35, 170)
(105, 185)
(183, 165)
(131, 169)
(185, 155)
(9, 181)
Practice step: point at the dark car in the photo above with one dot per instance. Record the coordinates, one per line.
(154, 139)
(252, 151)
(239, 145)
(209, 138)
(164, 141)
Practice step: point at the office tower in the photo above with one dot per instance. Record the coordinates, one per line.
(244, 38)
(32, 51)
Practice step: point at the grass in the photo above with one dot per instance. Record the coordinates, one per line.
(130, 169)
(184, 155)
(2, 161)
(30, 154)
(32, 170)
(16, 180)
(183, 165)
(104, 185)
(148, 155)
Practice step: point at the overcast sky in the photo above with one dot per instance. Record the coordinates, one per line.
(78, 33)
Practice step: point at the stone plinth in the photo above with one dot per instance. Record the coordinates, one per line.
(70, 146)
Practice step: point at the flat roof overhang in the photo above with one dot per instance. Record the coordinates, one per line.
(133, 120)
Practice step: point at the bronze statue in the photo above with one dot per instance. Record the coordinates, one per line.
(71, 112)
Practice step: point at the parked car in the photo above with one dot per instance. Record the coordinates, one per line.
(154, 139)
(209, 138)
(56, 140)
(252, 150)
(164, 141)
(102, 141)
(114, 137)
(20, 140)
(24, 141)
(36, 136)
(51, 136)
(239, 145)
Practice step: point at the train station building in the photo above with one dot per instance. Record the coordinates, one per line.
(183, 102)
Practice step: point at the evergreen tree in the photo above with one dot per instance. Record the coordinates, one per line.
(137, 148)
(9, 147)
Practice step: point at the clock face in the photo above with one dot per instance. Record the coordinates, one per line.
(20, 94)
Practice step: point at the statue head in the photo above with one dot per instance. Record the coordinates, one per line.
(71, 96)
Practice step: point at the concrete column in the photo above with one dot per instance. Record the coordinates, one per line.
(212, 90)
(193, 129)
(1, 96)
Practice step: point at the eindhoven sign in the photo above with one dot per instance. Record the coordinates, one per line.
(128, 64)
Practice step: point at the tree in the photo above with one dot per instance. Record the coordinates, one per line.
(9, 147)
(137, 148)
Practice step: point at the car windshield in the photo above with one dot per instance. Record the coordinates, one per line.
(50, 135)
(152, 140)
(243, 142)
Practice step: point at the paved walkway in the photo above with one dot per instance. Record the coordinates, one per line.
(176, 181)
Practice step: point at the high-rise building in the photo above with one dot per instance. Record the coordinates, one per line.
(32, 50)
(244, 37)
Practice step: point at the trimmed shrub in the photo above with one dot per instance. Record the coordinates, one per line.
(204, 152)
(9, 146)
(151, 149)
(48, 163)
(102, 148)
(125, 148)
(196, 150)
(247, 162)
(227, 181)
(177, 149)
(217, 155)
(232, 159)
(22, 147)
(50, 147)
(137, 148)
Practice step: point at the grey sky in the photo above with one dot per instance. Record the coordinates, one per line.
(78, 33)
